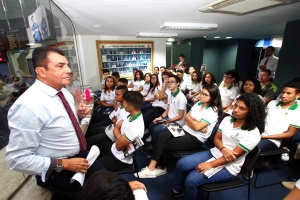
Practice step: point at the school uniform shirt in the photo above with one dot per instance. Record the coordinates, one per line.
(132, 129)
(120, 114)
(232, 137)
(188, 80)
(151, 94)
(207, 115)
(177, 101)
(146, 87)
(102, 84)
(108, 97)
(161, 103)
(137, 85)
(228, 94)
(195, 87)
(278, 120)
(183, 85)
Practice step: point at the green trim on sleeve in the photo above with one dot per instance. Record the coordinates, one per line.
(244, 148)
(295, 126)
(220, 130)
(205, 121)
(127, 138)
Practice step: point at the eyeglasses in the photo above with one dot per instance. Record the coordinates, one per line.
(171, 82)
(227, 77)
(204, 94)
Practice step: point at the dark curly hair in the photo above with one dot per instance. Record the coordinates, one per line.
(256, 115)
(141, 75)
(153, 86)
(215, 98)
(213, 79)
(257, 87)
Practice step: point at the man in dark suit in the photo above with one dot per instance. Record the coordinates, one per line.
(182, 61)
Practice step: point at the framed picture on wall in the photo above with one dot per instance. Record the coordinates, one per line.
(123, 56)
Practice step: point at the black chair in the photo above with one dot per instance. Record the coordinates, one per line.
(249, 164)
(278, 151)
(4, 130)
(131, 168)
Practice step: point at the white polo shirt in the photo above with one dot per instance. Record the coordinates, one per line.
(161, 103)
(278, 120)
(228, 94)
(195, 87)
(137, 85)
(146, 87)
(207, 115)
(232, 137)
(108, 97)
(120, 114)
(132, 129)
(151, 94)
(177, 101)
(183, 85)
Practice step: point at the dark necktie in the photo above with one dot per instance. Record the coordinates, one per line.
(266, 62)
(75, 123)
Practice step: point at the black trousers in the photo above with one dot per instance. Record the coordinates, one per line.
(150, 113)
(60, 181)
(166, 142)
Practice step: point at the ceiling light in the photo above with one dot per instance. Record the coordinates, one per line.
(170, 39)
(228, 37)
(168, 43)
(156, 35)
(194, 26)
(97, 26)
(217, 37)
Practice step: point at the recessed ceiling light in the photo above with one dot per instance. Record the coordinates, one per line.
(156, 35)
(228, 37)
(218, 37)
(97, 26)
(193, 26)
(168, 43)
(170, 39)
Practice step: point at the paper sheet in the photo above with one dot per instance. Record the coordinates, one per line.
(93, 154)
(140, 194)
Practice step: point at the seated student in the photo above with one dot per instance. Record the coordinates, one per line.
(156, 70)
(138, 83)
(182, 86)
(134, 70)
(111, 186)
(126, 131)
(269, 89)
(146, 84)
(154, 87)
(106, 103)
(227, 90)
(185, 75)
(161, 70)
(158, 107)
(104, 133)
(207, 78)
(194, 88)
(116, 76)
(188, 78)
(123, 81)
(249, 85)
(105, 75)
(175, 111)
(236, 136)
(282, 121)
(200, 122)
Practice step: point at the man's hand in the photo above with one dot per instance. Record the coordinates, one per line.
(82, 110)
(135, 185)
(203, 167)
(76, 164)
(114, 120)
(262, 67)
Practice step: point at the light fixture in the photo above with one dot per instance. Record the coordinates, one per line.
(217, 37)
(193, 26)
(168, 43)
(170, 39)
(228, 37)
(155, 35)
(97, 26)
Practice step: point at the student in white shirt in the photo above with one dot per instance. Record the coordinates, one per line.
(227, 89)
(236, 137)
(207, 78)
(195, 87)
(105, 75)
(156, 70)
(182, 86)
(126, 131)
(199, 125)
(154, 87)
(146, 84)
(138, 81)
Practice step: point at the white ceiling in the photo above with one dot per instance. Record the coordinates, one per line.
(127, 17)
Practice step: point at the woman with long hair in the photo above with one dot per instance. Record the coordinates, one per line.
(146, 84)
(207, 78)
(154, 86)
(200, 122)
(195, 87)
(138, 81)
(236, 137)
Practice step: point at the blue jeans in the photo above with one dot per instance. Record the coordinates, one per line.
(154, 130)
(266, 145)
(189, 179)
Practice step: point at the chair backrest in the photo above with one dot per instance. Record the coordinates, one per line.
(3, 122)
(251, 158)
(188, 107)
(6, 109)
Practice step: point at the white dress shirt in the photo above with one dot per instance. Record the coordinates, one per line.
(271, 64)
(41, 130)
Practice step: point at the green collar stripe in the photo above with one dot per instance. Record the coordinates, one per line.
(200, 103)
(121, 106)
(298, 98)
(232, 119)
(244, 148)
(205, 121)
(230, 87)
(134, 117)
(295, 126)
(220, 130)
(176, 93)
(293, 107)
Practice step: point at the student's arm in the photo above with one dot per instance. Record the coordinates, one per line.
(117, 129)
(228, 108)
(193, 124)
(122, 142)
(165, 114)
(140, 89)
(103, 103)
(285, 135)
(228, 104)
(178, 117)
(150, 100)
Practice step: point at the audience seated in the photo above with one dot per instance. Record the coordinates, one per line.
(126, 131)
(207, 78)
(154, 86)
(269, 89)
(195, 87)
(199, 125)
(228, 90)
(182, 85)
(236, 137)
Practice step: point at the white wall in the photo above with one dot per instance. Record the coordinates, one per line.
(89, 60)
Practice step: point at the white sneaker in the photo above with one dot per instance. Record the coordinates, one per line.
(146, 131)
(285, 157)
(146, 173)
(149, 139)
(160, 172)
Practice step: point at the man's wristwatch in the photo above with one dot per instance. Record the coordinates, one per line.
(59, 167)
